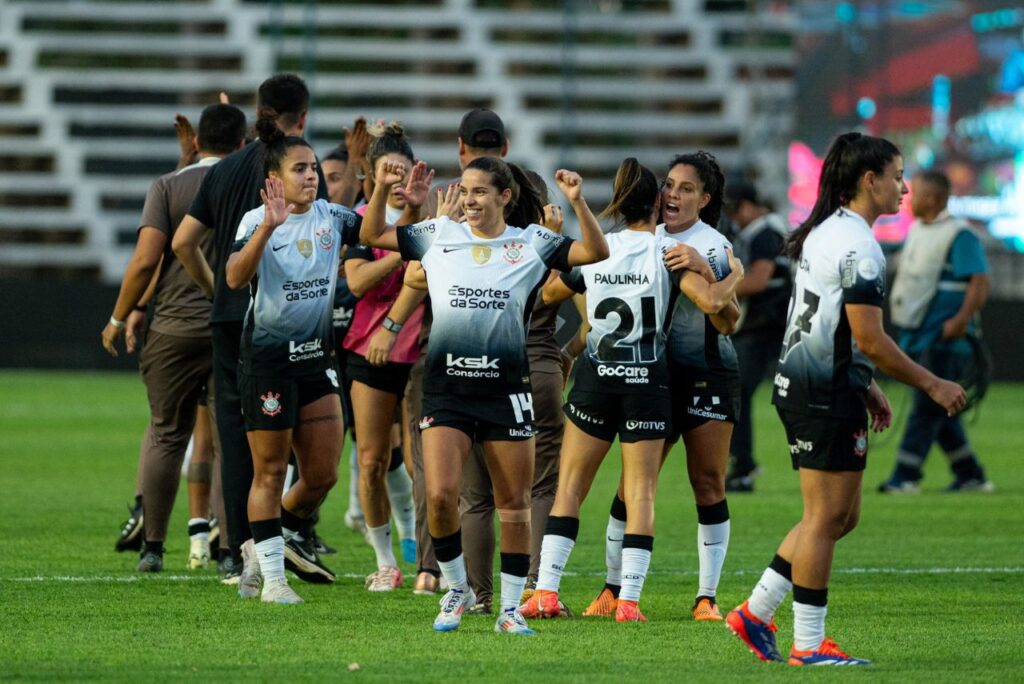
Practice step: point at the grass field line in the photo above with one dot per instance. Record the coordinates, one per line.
(127, 579)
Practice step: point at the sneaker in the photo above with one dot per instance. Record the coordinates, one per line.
(603, 606)
(322, 547)
(385, 579)
(759, 637)
(251, 577)
(971, 484)
(426, 584)
(897, 485)
(409, 550)
(511, 621)
(480, 608)
(705, 609)
(280, 592)
(356, 523)
(130, 538)
(302, 559)
(528, 591)
(150, 562)
(198, 554)
(628, 611)
(452, 606)
(828, 653)
(229, 571)
(542, 604)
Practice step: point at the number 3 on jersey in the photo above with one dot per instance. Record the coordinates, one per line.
(802, 325)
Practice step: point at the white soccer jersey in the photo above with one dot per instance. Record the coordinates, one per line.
(693, 341)
(482, 292)
(821, 371)
(629, 296)
(287, 329)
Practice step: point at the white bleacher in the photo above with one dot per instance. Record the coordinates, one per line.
(88, 91)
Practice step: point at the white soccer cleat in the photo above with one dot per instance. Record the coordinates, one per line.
(251, 578)
(279, 592)
(453, 604)
(511, 621)
(385, 579)
(198, 554)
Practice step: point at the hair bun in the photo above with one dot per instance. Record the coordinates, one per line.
(266, 125)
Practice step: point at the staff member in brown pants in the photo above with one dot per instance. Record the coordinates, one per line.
(176, 360)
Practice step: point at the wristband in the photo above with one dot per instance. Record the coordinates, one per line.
(116, 323)
(390, 325)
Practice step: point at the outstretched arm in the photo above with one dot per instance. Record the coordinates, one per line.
(242, 265)
(591, 247)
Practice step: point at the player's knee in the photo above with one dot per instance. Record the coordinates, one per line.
(708, 488)
(852, 519)
(443, 500)
(373, 465)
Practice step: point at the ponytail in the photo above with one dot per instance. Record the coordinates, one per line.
(711, 177)
(634, 193)
(273, 138)
(850, 157)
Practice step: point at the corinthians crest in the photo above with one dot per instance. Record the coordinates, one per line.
(305, 247)
(513, 252)
(481, 255)
(325, 237)
(271, 403)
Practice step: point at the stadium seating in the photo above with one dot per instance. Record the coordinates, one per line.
(88, 92)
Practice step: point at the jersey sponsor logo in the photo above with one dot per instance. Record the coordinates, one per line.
(271, 403)
(472, 366)
(478, 298)
(705, 411)
(631, 375)
(306, 289)
(782, 385)
(481, 254)
(622, 279)
(325, 237)
(513, 252)
(712, 257)
(645, 425)
(302, 351)
(550, 237)
(860, 443)
(525, 431)
(801, 445)
(305, 247)
(278, 248)
(585, 417)
(421, 230)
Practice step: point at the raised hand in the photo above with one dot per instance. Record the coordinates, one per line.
(186, 139)
(417, 184)
(553, 218)
(276, 209)
(357, 139)
(389, 173)
(449, 202)
(570, 183)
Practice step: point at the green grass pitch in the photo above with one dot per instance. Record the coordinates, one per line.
(931, 587)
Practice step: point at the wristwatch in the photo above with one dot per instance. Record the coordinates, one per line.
(390, 325)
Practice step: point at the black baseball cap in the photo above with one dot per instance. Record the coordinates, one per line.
(482, 128)
(739, 190)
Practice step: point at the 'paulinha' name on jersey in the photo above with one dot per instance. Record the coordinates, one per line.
(287, 328)
(482, 292)
(629, 296)
(693, 341)
(821, 370)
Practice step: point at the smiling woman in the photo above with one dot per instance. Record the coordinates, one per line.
(483, 276)
(289, 386)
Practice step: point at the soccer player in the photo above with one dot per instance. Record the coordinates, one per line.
(287, 252)
(482, 276)
(175, 362)
(622, 386)
(941, 284)
(381, 353)
(231, 189)
(764, 298)
(824, 391)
